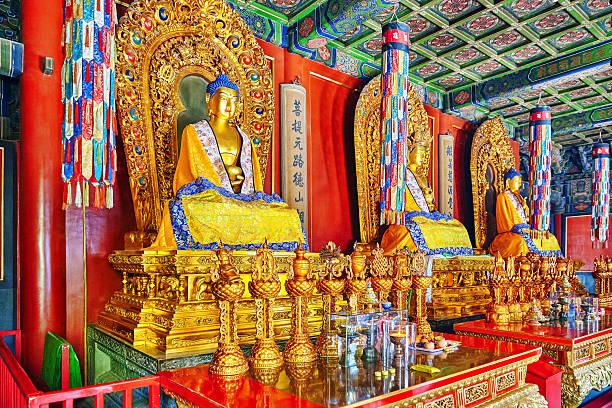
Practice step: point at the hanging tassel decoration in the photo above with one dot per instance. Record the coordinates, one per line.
(87, 91)
(540, 159)
(600, 210)
(394, 117)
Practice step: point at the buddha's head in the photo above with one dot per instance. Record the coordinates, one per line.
(417, 154)
(221, 97)
(513, 180)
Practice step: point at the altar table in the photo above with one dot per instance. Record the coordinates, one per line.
(583, 351)
(481, 373)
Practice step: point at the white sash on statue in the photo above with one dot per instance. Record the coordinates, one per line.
(416, 191)
(517, 206)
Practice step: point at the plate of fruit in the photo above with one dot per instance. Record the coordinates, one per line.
(434, 344)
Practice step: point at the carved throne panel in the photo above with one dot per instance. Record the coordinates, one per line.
(367, 152)
(159, 44)
(491, 157)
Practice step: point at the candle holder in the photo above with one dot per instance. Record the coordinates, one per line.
(299, 348)
(227, 288)
(264, 287)
(497, 311)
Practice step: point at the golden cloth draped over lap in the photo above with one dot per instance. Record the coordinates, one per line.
(214, 216)
(437, 234)
(514, 234)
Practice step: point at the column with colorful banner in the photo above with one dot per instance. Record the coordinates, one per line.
(294, 153)
(88, 93)
(540, 157)
(600, 212)
(394, 109)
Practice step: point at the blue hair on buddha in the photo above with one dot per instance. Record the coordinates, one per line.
(414, 146)
(512, 173)
(222, 81)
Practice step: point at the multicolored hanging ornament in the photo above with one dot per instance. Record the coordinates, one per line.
(88, 93)
(600, 212)
(540, 158)
(395, 109)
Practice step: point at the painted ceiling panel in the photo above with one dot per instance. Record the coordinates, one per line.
(458, 45)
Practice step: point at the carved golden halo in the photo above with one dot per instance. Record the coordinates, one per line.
(491, 146)
(367, 151)
(158, 43)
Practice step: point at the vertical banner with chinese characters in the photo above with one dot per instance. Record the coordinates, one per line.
(294, 153)
(445, 173)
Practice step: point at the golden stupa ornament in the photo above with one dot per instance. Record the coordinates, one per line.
(497, 311)
(421, 282)
(227, 288)
(264, 287)
(299, 348)
(330, 284)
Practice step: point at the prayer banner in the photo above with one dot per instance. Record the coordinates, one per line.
(446, 173)
(294, 151)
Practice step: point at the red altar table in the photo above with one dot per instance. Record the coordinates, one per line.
(481, 373)
(583, 350)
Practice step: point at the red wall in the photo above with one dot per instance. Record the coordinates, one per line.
(331, 97)
(578, 241)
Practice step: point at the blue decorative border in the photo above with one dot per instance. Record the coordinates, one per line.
(520, 230)
(182, 234)
(419, 239)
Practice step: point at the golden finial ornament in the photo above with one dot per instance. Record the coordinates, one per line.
(264, 287)
(356, 283)
(380, 269)
(228, 287)
(299, 348)
(421, 282)
(497, 311)
(330, 284)
(402, 280)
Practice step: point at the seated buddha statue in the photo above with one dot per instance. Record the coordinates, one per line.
(514, 237)
(218, 188)
(424, 228)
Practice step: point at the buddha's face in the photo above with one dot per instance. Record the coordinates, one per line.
(223, 103)
(417, 156)
(514, 184)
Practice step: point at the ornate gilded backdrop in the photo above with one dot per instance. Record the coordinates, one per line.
(367, 151)
(491, 157)
(158, 44)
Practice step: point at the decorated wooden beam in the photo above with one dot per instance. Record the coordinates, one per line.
(586, 62)
(576, 122)
(11, 58)
(312, 35)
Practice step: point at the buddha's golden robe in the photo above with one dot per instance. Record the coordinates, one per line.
(205, 211)
(514, 238)
(429, 232)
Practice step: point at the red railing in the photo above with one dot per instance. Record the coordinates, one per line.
(15, 385)
(18, 391)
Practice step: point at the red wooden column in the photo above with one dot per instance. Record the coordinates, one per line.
(41, 219)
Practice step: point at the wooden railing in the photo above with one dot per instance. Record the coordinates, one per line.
(18, 391)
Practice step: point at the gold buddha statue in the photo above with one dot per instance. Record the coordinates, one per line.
(218, 188)
(514, 237)
(424, 228)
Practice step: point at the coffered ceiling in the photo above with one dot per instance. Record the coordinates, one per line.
(459, 45)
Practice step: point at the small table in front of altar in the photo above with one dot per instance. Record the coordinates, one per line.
(583, 350)
(480, 373)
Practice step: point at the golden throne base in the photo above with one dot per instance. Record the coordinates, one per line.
(166, 303)
(459, 287)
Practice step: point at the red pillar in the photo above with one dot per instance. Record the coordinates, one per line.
(41, 219)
